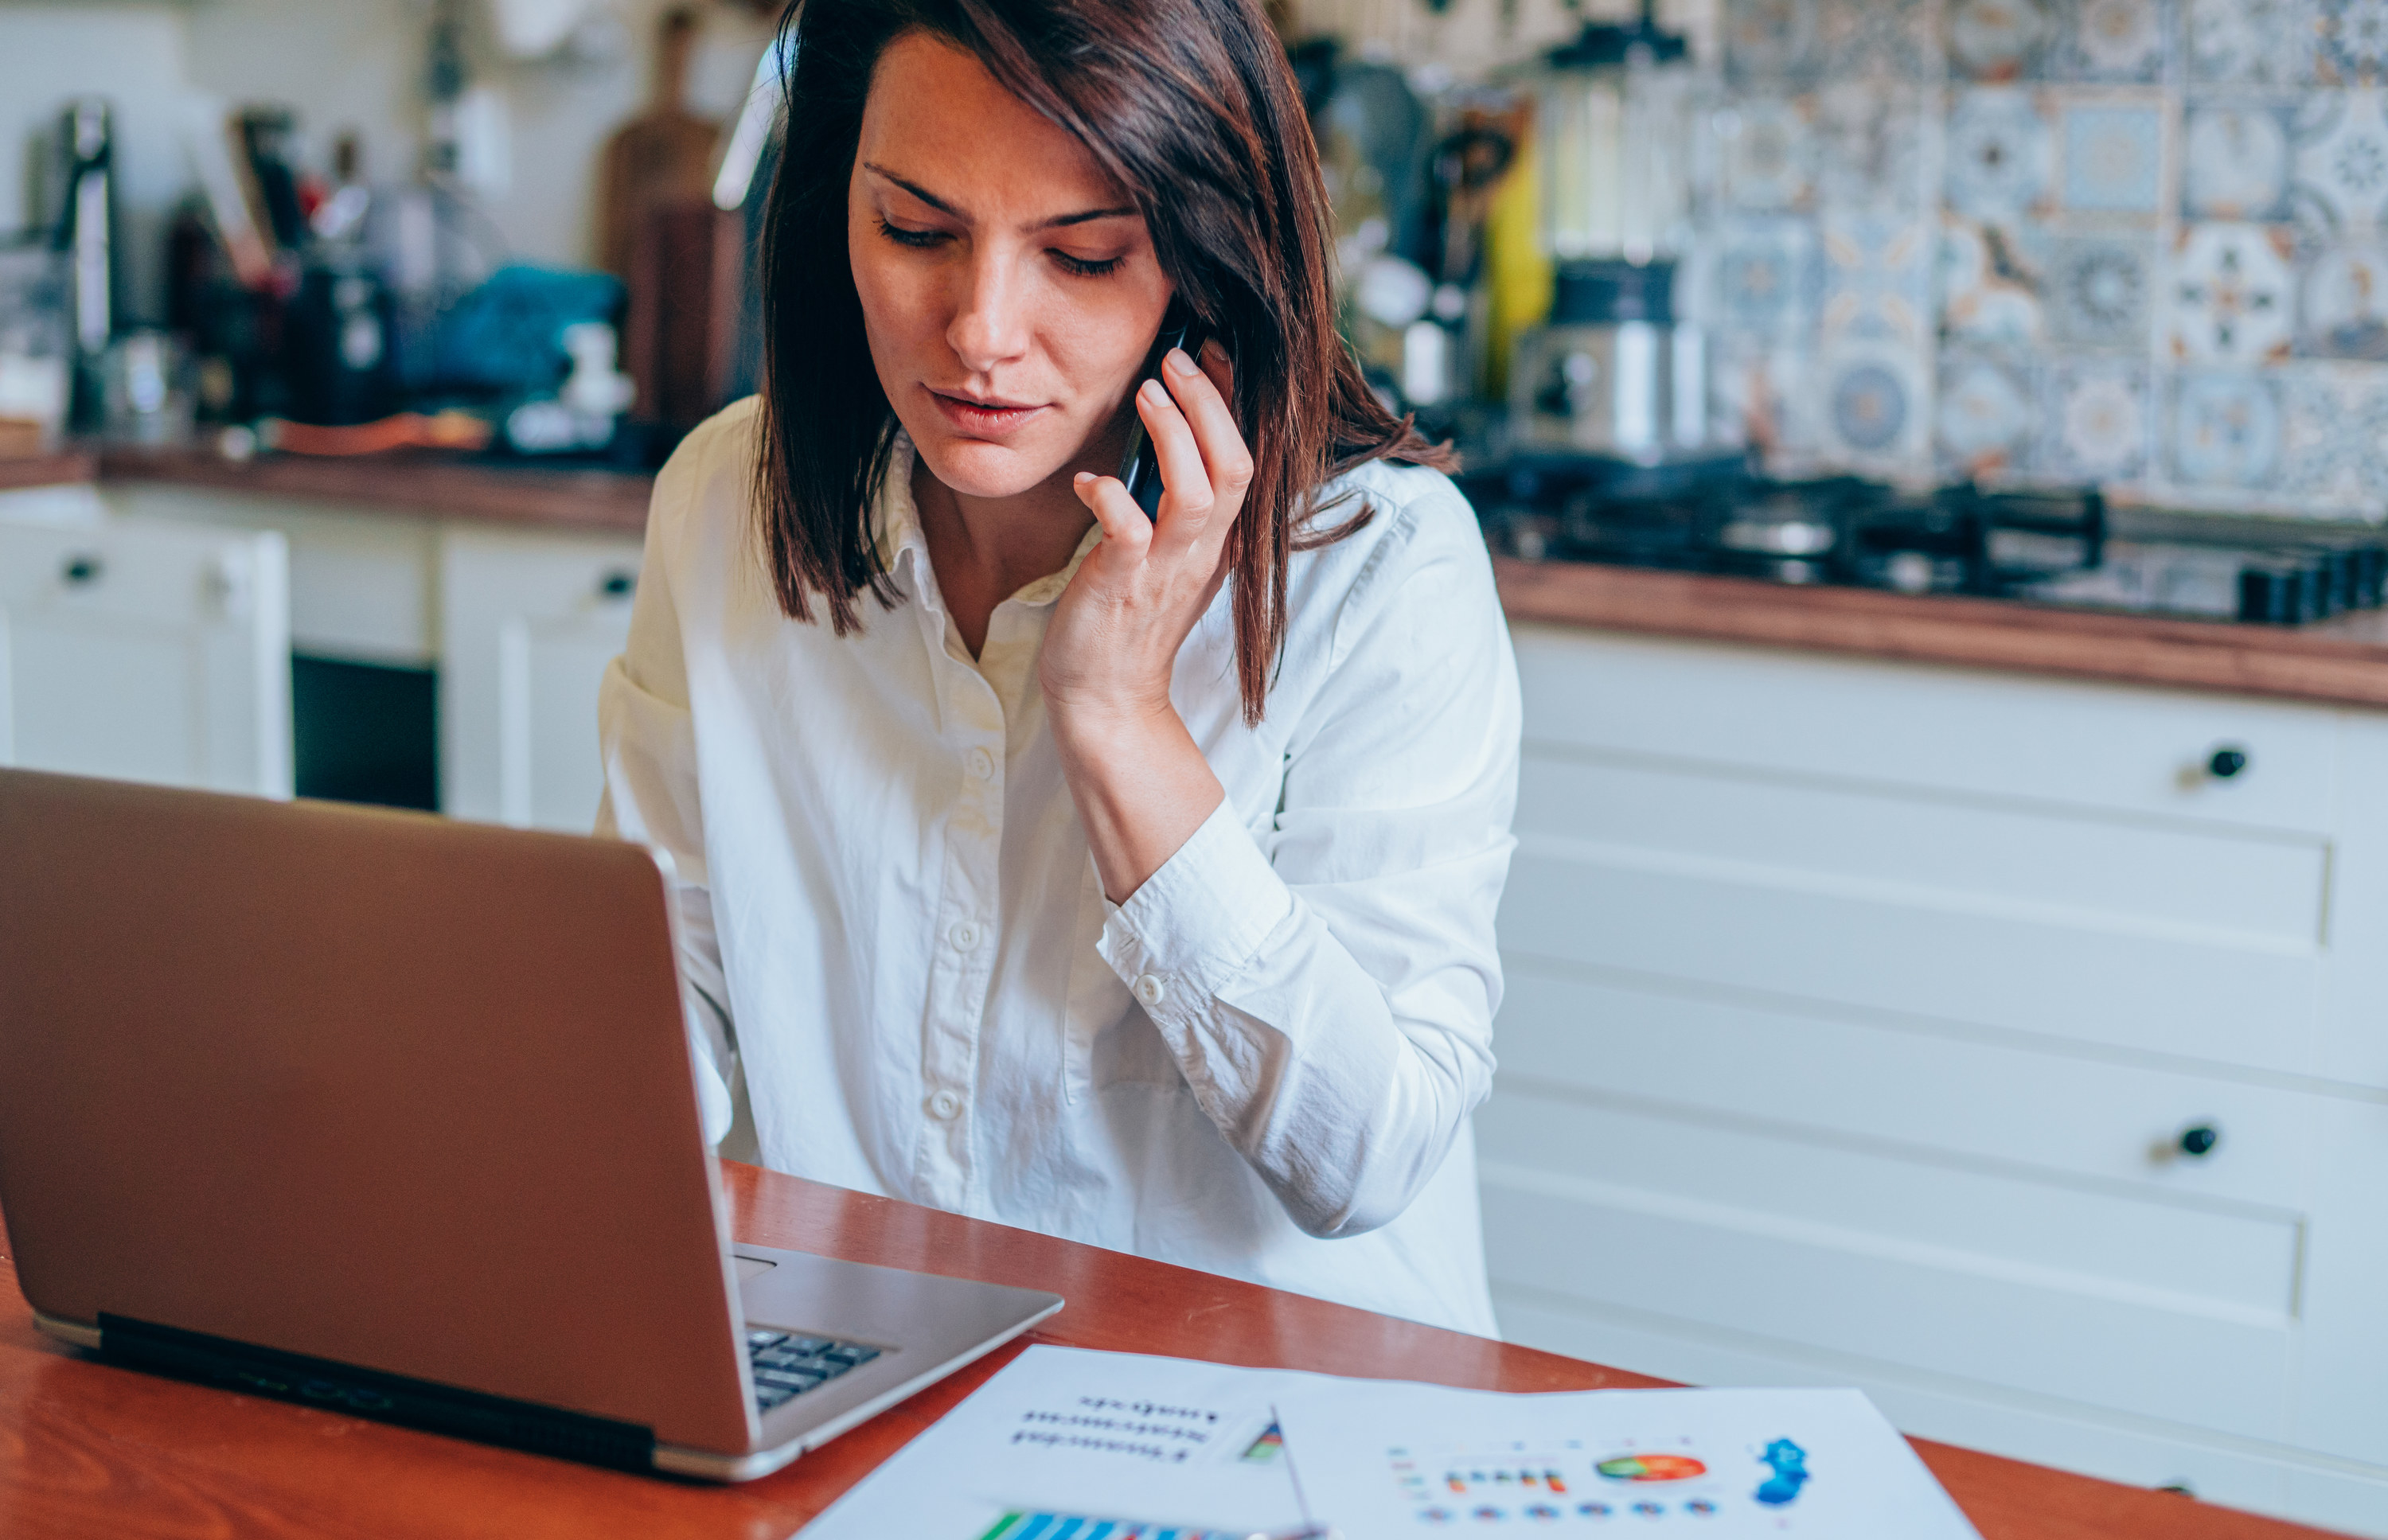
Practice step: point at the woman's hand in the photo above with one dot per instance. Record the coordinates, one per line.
(1140, 782)
(1116, 630)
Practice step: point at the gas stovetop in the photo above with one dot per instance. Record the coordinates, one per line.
(2057, 547)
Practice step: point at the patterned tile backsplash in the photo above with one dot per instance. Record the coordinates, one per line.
(2137, 242)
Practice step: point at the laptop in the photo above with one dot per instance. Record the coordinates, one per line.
(376, 1111)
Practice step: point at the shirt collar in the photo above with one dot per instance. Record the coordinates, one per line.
(898, 521)
(898, 533)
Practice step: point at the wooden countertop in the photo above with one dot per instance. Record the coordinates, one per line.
(87, 1448)
(50, 470)
(427, 481)
(2342, 661)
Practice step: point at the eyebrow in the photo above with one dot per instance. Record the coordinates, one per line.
(1057, 221)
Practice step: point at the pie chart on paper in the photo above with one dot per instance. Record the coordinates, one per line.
(1651, 1468)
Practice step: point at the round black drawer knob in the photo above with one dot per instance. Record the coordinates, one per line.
(2200, 1139)
(2226, 764)
(80, 570)
(617, 585)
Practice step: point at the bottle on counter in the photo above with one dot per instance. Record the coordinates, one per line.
(86, 230)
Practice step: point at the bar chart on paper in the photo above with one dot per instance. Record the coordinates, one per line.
(1075, 1526)
(1466, 1485)
(1385, 1459)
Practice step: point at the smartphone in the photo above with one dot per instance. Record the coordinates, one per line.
(1139, 467)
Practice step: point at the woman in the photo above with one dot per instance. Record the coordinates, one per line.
(1131, 880)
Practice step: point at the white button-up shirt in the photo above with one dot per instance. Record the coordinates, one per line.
(1263, 1063)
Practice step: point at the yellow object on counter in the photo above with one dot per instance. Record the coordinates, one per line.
(1517, 269)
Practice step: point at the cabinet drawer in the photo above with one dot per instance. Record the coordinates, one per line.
(1815, 945)
(2179, 1311)
(2196, 881)
(146, 652)
(362, 579)
(1940, 1101)
(1956, 731)
(2194, 938)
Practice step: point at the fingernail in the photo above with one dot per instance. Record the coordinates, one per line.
(1214, 352)
(1151, 391)
(1082, 478)
(1178, 362)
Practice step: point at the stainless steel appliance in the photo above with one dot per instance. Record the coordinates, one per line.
(1613, 373)
(1616, 369)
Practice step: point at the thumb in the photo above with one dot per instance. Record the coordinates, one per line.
(1123, 523)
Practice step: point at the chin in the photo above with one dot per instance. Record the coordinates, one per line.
(978, 468)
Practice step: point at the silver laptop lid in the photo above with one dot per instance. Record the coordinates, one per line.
(369, 1087)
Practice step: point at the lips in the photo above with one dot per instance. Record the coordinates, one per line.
(984, 417)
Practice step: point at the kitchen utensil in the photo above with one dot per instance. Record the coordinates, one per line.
(664, 155)
(679, 340)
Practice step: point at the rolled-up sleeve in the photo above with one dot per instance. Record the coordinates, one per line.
(1328, 983)
(647, 739)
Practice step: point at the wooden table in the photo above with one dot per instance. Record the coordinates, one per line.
(87, 1450)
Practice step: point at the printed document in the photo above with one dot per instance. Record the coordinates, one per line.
(1064, 1443)
(1383, 1459)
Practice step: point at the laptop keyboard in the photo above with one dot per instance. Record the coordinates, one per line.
(787, 1364)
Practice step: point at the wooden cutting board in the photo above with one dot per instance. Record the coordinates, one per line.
(662, 156)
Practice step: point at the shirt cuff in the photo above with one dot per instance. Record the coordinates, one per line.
(1203, 914)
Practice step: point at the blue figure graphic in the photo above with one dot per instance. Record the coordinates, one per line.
(1790, 1463)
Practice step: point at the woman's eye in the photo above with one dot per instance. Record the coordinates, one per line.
(1085, 267)
(914, 238)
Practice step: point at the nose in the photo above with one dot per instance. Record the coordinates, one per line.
(990, 325)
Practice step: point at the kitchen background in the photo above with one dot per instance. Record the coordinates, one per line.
(2130, 242)
(1969, 991)
(2127, 241)
(2133, 243)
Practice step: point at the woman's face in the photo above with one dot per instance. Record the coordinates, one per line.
(1009, 286)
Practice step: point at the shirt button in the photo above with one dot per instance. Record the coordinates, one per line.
(944, 1107)
(964, 935)
(981, 762)
(1150, 989)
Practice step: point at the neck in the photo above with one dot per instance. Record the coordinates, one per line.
(1004, 542)
(985, 549)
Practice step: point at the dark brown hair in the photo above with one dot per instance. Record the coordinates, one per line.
(1191, 106)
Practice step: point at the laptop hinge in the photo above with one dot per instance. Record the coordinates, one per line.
(369, 1393)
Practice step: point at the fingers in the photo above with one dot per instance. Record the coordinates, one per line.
(1123, 523)
(1187, 498)
(1202, 392)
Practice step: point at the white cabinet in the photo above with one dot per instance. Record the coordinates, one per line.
(520, 623)
(146, 651)
(1857, 1011)
(363, 581)
(529, 622)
